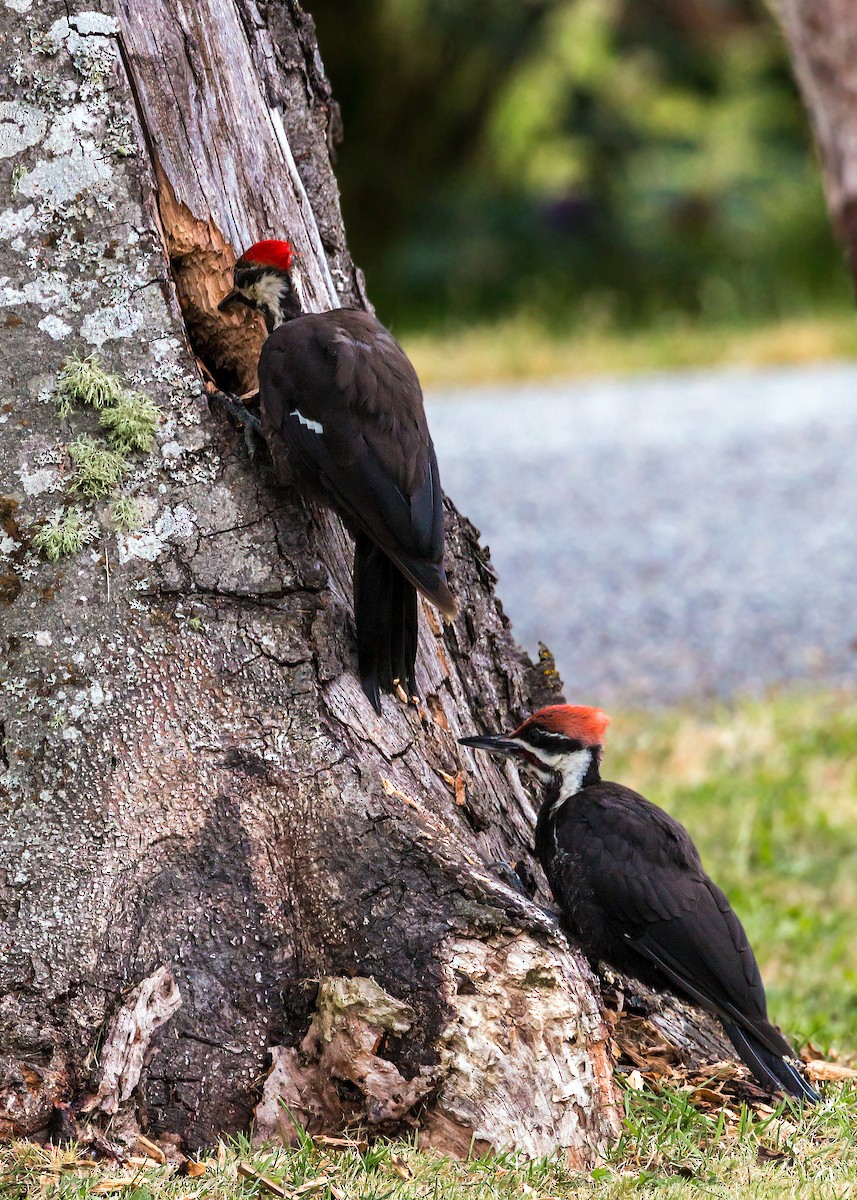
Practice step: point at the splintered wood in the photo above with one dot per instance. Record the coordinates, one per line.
(149, 1006)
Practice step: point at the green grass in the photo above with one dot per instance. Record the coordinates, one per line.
(669, 1150)
(525, 348)
(768, 790)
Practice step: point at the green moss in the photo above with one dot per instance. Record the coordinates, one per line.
(124, 513)
(84, 381)
(66, 531)
(131, 422)
(99, 468)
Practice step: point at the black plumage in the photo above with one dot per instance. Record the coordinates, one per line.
(342, 414)
(632, 890)
(634, 894)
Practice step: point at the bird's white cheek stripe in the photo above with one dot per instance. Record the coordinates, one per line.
(315, 426)
(573, 768)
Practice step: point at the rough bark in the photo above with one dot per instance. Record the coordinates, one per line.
(214, 856)
(823, 39)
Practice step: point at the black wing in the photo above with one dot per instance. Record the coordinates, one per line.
(643, 871)
(341, 394)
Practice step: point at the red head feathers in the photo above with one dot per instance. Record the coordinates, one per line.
(274, 254)
(586, 725)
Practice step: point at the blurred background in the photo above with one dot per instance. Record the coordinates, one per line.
(598, 228)
(589, 189)
(606, 163)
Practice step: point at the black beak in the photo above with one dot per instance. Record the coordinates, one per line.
(234, 297)
(494, 743)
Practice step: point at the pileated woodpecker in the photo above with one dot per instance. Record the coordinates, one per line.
(632, 890)
(342, 415)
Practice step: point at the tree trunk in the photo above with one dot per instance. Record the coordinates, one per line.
(823, 38)
(224, 882)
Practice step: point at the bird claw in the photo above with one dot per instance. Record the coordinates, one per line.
(511, 878)
(249, 421)
(252, 437)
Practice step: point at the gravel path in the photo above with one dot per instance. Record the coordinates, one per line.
(668, 536)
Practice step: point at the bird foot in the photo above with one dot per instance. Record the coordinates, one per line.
(249, 421)
(508, 873)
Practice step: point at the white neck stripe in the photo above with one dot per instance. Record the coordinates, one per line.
(572, 768)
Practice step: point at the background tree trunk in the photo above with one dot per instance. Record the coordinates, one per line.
(224, 882)
(823, 38)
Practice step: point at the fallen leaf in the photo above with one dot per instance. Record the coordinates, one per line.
(769, 1154)
(401, 1167)
(195, 1169)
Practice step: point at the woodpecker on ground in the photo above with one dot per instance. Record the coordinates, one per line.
(633, 892)
(342, 414)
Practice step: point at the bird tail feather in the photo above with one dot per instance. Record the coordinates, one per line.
(771, 1070)
(385, 610)
(430, 579)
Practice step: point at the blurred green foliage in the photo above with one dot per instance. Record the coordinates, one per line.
(612, 160)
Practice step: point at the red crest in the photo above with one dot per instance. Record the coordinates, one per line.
(274, 254)
(584, 724)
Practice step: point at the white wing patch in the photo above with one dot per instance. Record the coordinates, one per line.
(315, 426)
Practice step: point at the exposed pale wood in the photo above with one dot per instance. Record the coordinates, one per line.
(120, 1061)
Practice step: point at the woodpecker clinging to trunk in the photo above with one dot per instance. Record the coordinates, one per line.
(342, 415)
(632, 890)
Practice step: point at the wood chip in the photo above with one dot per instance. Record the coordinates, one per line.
(270, 1185)
(151, 1149)
(432, 621)
(392, 790)
(460, 788)
(820, 1071)
(334, 1143)
(195, 1169)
